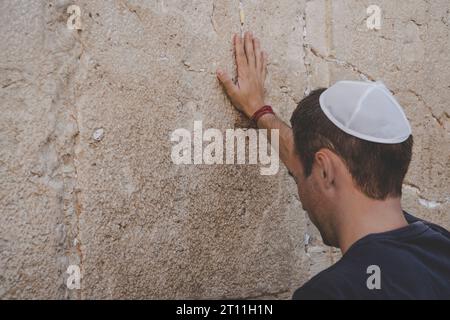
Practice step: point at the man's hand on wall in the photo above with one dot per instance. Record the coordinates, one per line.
(247, 95)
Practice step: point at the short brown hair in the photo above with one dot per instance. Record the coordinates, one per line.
(377, 169)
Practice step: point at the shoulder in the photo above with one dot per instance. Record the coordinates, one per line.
(406, 256)
(436, 228)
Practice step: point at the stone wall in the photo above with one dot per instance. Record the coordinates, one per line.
(86, 116)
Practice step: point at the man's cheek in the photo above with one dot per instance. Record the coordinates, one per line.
(302, 197)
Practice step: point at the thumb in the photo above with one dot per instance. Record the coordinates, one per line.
(226, 81)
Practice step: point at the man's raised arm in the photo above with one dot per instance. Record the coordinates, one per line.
(247, 95)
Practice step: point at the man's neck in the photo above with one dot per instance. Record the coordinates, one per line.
(365, 216)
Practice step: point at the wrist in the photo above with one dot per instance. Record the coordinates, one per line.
(264, 110)
(253, 108)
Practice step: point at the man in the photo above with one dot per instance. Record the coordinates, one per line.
(349, 150)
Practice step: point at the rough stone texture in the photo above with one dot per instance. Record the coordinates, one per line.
(85, 125)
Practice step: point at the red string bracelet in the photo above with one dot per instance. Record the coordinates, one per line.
(258, 114)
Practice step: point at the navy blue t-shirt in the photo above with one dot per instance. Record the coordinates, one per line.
(408, 263)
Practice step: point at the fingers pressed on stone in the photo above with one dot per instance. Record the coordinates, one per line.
(249, 49)
(241, 59)
(257, 50)
(264, 64)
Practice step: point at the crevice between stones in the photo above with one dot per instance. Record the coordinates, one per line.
(342, 63)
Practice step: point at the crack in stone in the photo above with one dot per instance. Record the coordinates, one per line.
(339, 62)
(211, 17)
(74, 147)
(412, 186)
(426, 202)
(188, 67)
(307, 65)
(306, 62)
(241, 17)
(132, 9)
(422, 100)
(77, 201)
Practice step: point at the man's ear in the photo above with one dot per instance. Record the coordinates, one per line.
(324, 168)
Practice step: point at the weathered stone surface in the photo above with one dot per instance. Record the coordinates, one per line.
(85, 165)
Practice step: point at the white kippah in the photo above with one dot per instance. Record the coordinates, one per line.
(366, 110)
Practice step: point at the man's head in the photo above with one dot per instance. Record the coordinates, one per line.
(335, 165)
